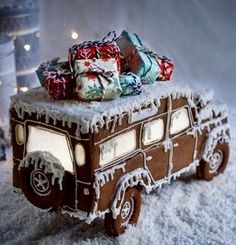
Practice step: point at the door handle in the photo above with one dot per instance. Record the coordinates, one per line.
(176, 145)
(149, 158)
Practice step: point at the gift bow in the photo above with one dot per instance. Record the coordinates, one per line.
(56, 74)
(107, 75)
(149, 52)
(87, 44)
(102, 73)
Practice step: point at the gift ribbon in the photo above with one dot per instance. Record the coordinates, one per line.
(136, 85)
(148, 51)
(108, 39)
(102, 73)
(57, 74)
(49, 63)
(87, 44)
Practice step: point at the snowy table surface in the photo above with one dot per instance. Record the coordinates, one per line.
(188, 211)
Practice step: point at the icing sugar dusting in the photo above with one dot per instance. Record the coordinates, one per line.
(90, 116)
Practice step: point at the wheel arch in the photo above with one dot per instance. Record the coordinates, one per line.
(219, 134)
(138, 179)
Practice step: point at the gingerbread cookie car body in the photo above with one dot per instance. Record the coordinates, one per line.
(93, 159)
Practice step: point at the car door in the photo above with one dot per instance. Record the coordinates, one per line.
(183, 143)
(153, 135)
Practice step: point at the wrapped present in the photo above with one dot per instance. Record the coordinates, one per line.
(97, 80)
(130, 84)
(59, 83)
(50, 65)
(166, 68)
(104, 49)
(142, 61)
(165, 65)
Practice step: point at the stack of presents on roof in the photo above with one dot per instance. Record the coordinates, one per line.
(104, 70)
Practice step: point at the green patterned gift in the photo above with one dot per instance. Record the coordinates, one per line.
(97, 79)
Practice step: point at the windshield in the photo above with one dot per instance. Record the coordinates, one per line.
(43, 139)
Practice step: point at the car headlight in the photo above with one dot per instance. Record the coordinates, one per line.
(79, 155)
(20, 135)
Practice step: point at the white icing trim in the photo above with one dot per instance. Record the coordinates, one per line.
(204, 97)
(136, 178)
(90, 117)
(46, 162)
(101, 178)
(131, 179)
(219, 134)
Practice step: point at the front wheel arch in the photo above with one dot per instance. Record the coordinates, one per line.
(207, 170)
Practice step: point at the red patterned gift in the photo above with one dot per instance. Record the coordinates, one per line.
(59, 83)
(104, 49)
(166, 68)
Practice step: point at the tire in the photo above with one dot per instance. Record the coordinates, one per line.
(37, 187)
(129, 213)
(216, 164)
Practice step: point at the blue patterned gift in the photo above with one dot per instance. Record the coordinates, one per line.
(138, 60)
(130, 84)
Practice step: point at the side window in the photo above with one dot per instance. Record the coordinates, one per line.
(153, 131)
(179, 121)
(117, 147)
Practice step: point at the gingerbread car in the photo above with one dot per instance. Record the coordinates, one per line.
(93, 159)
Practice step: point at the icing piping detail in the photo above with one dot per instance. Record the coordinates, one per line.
(46, 162)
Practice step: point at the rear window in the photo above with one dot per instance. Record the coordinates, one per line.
(43, 139)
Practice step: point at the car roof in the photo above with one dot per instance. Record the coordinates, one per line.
(90, 116)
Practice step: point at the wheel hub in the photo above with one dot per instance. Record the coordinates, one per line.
(127, 211)
(40, 183)
(215, 161)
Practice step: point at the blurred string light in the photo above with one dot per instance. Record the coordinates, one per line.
(0, 82)
(37, 34)
(27, 47)
(23, 89)
(74, 35)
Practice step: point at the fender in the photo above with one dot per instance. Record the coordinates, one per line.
(220, 134)
(138, 177)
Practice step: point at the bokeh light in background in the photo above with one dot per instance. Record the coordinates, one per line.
(74, 35)
(19, 19)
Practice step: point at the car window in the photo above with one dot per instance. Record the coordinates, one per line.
(117, 147)
(43, 139)
(179, 121)
(153, 131)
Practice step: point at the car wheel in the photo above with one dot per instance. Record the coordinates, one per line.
(40, 188)
(217, 163)
(129, 213)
